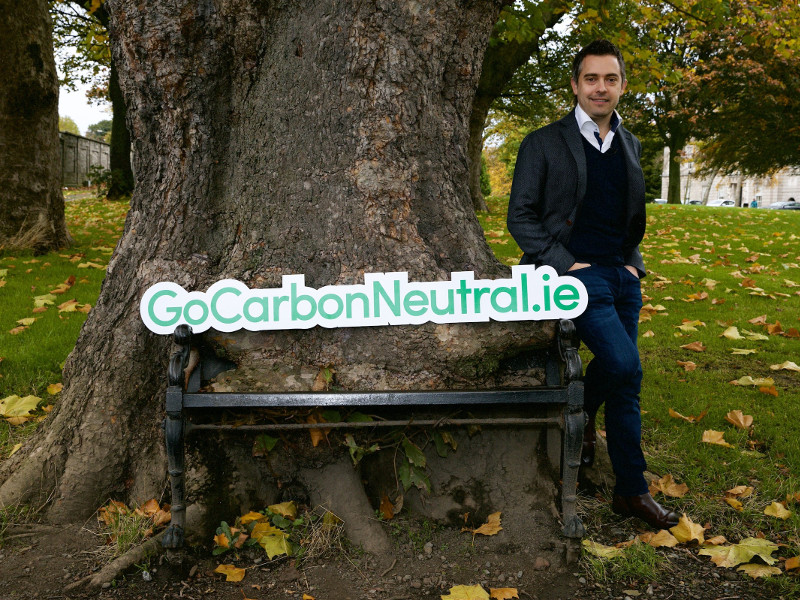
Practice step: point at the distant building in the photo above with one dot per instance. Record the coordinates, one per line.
(78, 154)
(782, 186)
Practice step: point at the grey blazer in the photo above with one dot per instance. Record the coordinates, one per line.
(548, 188)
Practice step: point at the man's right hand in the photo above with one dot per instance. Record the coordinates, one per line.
(578, 265)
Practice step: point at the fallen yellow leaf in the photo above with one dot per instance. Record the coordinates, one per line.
(690, 419)
(777, 510)
(222, 541)
(686, 530)
(755, 570)
(503, 593)
(695, 347)
(687, 365)
(601, 551)
(54, 388)
(251, 516)
(663, 539)
(732, 333)
(14, 406)
(715, 437)
(786, 366)
(491, 527)
(668, 487)
(741, 491)
(466, 592)
(737, 419)
(734, 503)
(287, 510)
(792, 563)
(231, 573)
(15, 448)
(717, 540)
(747, 380)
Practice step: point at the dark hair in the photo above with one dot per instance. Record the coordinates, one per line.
(597, 48)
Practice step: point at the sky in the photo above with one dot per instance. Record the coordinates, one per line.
(76, 106)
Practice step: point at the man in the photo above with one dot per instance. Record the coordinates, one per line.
(577, 205)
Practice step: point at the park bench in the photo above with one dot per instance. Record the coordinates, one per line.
(561, 396)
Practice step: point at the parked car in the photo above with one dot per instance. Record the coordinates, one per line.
(721, 202)
(660, 201)
(785, 206)
(694, 202)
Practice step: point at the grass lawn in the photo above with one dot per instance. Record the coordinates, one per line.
(722, 303)
(43, 304)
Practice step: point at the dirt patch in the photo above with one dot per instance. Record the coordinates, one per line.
(39, 562)
(425, 563)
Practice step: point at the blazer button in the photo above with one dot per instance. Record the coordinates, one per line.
(569, 222)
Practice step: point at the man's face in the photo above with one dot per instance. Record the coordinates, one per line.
(599, 86)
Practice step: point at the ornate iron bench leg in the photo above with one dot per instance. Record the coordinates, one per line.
(574, 422)
(173, 435)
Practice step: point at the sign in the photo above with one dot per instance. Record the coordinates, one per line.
(531, 294)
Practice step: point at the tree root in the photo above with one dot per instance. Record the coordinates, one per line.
(119, 565)
(338, 487)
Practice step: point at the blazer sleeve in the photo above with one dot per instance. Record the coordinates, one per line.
(526, 209)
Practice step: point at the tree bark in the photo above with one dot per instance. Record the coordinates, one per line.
(675, 146)
(31, 203)
(120, 166)
(324, 138)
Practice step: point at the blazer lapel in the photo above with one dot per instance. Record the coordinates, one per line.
(635, 183)
(572, 137)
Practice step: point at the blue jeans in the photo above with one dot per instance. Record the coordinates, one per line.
(609, 328)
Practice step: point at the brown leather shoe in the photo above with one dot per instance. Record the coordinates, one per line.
(589, 442)
(645, 508)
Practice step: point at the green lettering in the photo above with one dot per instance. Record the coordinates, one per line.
(174, 310)
(478, 293)
(264, 302)
(215, 299)
(463, 291)
(512, 297)
(415, 303)
(566, 297)
(187, 312)
(296, 300)
(450, 303)
(356, 296)
(276, 303)
(339, 306)
(392, 303)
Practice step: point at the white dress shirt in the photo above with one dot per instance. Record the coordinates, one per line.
(591, 131)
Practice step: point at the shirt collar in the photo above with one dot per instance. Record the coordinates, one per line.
(583, 119)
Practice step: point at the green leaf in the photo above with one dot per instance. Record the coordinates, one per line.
(40, 301)
(264, 444)
(358, 417)
(441, 446)
(413, 453)
(411, 475)
(332, 416)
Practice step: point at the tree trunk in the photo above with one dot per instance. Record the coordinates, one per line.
(322, 138)
(31, 203)
(674, 171)
(477, 121)
(120, 152)
(121, 185)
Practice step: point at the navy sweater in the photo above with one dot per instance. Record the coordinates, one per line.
(598, 235)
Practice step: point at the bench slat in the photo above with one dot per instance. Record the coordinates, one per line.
(538, 395)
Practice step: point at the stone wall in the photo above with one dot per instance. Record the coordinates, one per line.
(78, 153)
